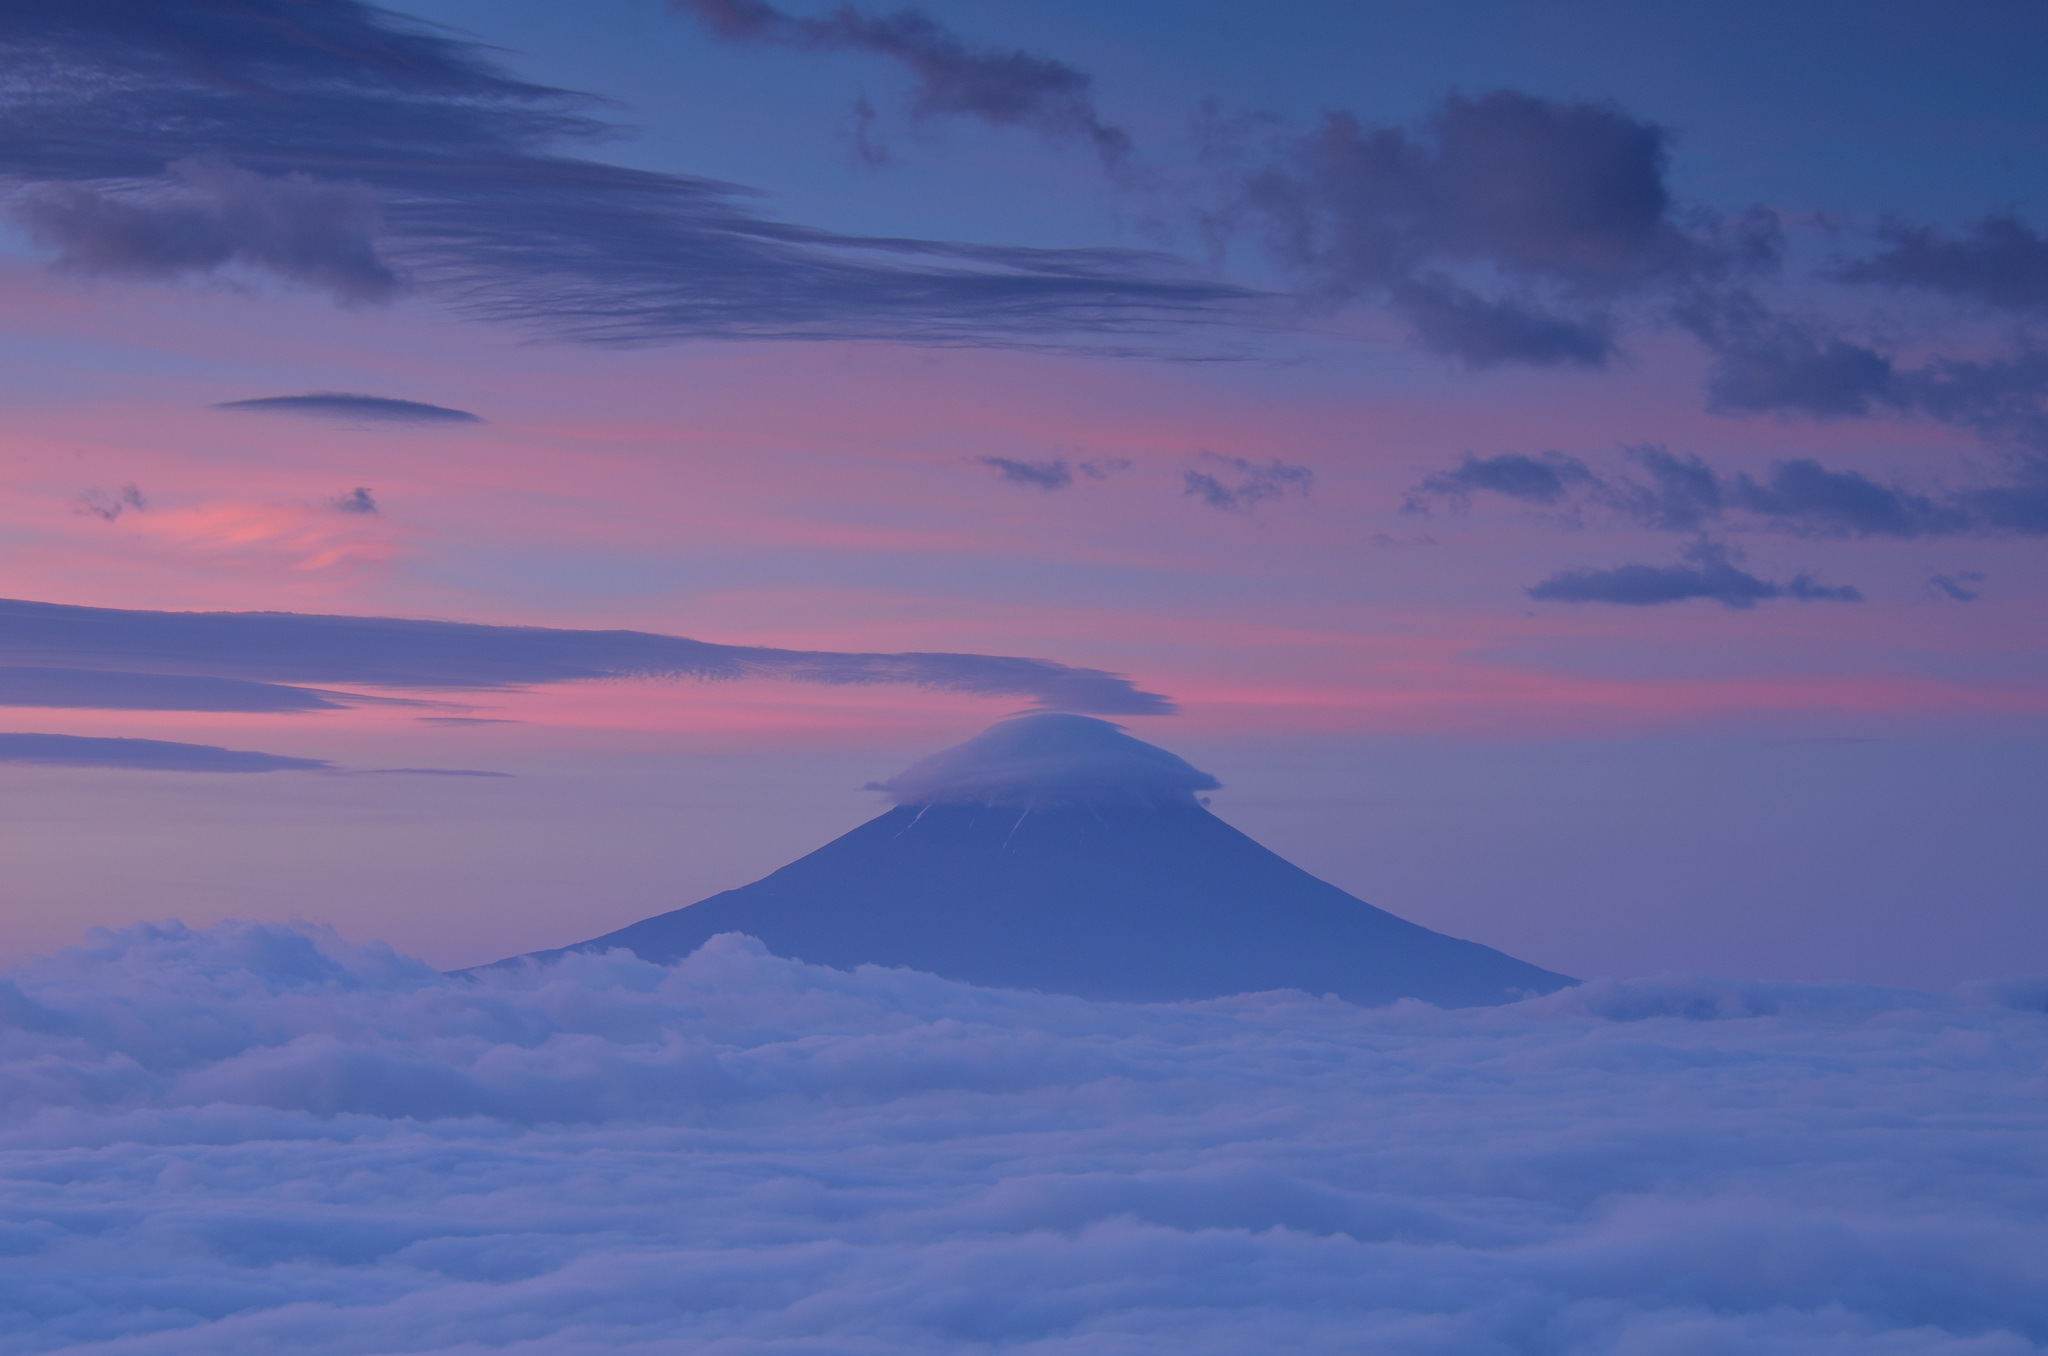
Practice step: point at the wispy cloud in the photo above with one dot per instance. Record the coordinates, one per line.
(288, 648)
(1012, 88)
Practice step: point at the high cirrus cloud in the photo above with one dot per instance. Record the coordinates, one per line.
(165, 651)
(352, 150)
(259, 1139)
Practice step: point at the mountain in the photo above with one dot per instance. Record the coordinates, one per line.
(1054, 852)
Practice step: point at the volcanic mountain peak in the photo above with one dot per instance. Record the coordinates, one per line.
(1055, 852)
(1048, 760)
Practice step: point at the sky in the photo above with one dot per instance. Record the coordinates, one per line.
(1576, 474)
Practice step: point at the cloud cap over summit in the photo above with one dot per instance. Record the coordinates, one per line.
(1045, 760)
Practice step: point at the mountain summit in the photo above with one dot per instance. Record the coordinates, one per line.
(1055, 852)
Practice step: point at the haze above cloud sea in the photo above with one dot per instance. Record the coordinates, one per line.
(253, 1139)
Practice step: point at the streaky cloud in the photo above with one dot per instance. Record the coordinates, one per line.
(113, 690)
(145, 755)
(350, 149)
(289, 648)
(350, 405)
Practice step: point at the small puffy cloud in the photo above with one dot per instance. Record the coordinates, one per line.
(1046, 760)
(358, 500)
(1710, 572)
(1241, 483)
(1056, 474)
(353, 407)
(1043, 475)
(204, 215)
(1545, 479)
(254, 1138)
(109, 505)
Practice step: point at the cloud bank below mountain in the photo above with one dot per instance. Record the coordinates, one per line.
(259, 1139)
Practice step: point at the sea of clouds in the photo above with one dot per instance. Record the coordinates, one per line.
(255, 1139)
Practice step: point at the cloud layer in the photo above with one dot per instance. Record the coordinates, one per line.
(162, 652)
(253, 1139)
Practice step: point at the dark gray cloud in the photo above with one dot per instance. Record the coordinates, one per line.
(1766, 362)
(109, 505)
(336, 145)
(1684, 494)
(359, 500)
(351, 406)
(149, 755)
(1711, 572)
(1241, 483)
(1002, 88)
(1056, 474)
(1998, 261)
(1544, 479)
(1044, 475)
(1559, 208)
(1960, 586)
(288, 648)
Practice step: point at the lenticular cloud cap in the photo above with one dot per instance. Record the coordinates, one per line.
(1048, 760)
